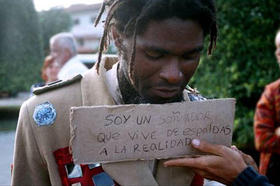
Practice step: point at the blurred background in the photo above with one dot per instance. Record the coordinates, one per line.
(240, 67)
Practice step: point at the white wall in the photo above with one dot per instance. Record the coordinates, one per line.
(85, 29)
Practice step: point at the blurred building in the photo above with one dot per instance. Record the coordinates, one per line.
(83, 17)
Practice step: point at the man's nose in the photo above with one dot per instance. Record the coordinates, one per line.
(171, 72)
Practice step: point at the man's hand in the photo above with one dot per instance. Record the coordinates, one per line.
(222, 165)
(247, 158)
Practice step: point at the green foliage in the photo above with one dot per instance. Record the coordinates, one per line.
(20, 46)
(52, 22)
(22, 37)
(243, 62)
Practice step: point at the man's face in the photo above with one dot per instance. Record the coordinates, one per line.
(167, 55)
(277, 44)
(58, 53)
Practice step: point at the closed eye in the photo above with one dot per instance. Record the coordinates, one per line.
(154, 55)
(190, 56)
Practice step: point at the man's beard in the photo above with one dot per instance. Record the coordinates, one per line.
(131, 96)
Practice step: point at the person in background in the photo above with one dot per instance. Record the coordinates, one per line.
(267, 126)
(50, 70)
(49, 73)
(64, 51)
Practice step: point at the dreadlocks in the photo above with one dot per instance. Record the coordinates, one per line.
(131, 17)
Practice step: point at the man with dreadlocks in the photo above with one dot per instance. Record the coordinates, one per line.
(159, 43)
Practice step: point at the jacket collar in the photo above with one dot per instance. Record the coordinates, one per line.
(93, 85)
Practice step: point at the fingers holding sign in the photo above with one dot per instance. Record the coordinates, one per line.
(247, 158)
(223, 164)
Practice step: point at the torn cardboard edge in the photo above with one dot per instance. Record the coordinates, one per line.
(148, 131)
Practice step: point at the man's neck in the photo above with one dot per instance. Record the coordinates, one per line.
(129, 94)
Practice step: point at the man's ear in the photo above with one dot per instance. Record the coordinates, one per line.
(118, 38)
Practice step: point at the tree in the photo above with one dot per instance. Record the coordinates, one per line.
(20, 46)
(243, 62)
(52, 22)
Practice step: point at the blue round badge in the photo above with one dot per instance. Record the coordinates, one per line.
(44, 114)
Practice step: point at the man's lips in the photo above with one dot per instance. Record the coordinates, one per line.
(166, 92)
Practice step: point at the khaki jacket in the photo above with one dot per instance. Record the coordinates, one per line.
(34, 162)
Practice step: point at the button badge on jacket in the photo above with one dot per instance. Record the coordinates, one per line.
(44, 114)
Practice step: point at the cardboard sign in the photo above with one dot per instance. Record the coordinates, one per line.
(133, 132)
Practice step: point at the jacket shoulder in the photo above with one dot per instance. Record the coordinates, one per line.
(55, 101)
(57, 84)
